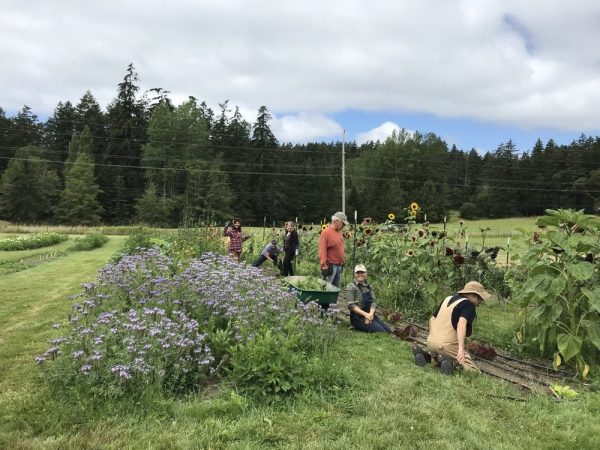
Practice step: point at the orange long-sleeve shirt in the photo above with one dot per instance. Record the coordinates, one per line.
(331, 247)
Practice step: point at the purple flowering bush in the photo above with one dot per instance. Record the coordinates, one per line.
(152, 324)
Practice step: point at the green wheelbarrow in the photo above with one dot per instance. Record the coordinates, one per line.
(327, 295)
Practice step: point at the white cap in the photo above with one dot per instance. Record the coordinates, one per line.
(360, 268)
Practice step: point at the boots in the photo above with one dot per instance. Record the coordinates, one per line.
(446, 365)
(421, 357)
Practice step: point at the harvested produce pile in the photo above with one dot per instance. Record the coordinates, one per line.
(311, 284)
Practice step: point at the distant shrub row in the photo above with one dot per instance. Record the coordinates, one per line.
(89, 242)
(31, 241)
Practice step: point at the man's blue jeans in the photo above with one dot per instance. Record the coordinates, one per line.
(336, 276)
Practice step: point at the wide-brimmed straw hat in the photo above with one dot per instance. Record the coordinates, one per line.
(473, 287)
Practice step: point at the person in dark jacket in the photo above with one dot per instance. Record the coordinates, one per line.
(290, 247)
(361, 303)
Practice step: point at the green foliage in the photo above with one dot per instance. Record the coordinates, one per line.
(31, 241)
(268, 365)
(79, 203)
(560, 294)
(141, 239)
(89, 242)
(564, 392)
(193, 242)
(311, 284)
(28, 187)
(156, 210)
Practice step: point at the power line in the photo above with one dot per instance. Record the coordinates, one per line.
(515, 188)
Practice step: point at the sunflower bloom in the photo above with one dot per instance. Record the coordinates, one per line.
(347, 234)
(414, 206)
(367, 220)
(324, 226)
(410, 253)
(392, 216)
(369, 231)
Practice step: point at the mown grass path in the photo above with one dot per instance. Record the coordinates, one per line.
(32, 300)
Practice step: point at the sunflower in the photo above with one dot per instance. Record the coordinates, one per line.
(347, 234)
(413, 214)
(367, 220)
(369, 231)
(410, 253)
(324, 226)
(414, 206)
(360, 242)
(392, 216)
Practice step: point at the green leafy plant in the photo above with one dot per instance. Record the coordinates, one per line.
(32, 241)
(564, 392)
(560, 296)
(89, 242)
(269, 365)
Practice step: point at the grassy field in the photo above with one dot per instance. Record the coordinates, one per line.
(388, 402)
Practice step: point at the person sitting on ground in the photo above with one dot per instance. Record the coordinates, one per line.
(451, 323)
(270, 252)
(361, 303)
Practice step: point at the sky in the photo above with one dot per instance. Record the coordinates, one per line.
(477, 73)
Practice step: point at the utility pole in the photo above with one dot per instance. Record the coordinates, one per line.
(343, 172)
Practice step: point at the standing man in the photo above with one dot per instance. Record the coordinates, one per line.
(331, 249)
(450, 324)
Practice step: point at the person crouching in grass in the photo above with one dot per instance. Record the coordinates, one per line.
(270, 252)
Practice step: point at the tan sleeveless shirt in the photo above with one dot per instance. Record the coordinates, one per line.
(441, 331)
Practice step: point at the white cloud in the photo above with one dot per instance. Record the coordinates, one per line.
(306, 127)
(531, 64)
(381, 133)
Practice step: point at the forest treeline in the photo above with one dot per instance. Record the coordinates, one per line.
(146, 160)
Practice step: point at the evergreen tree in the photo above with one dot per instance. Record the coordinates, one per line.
(218, 197)
(121, 175)
(79, 144)
(267, 188)
(79, 203)
(59, 130)
(23, 130)
(90, 115)
(177, 157)
(5, 151)
(28, 187)
(156, 210)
